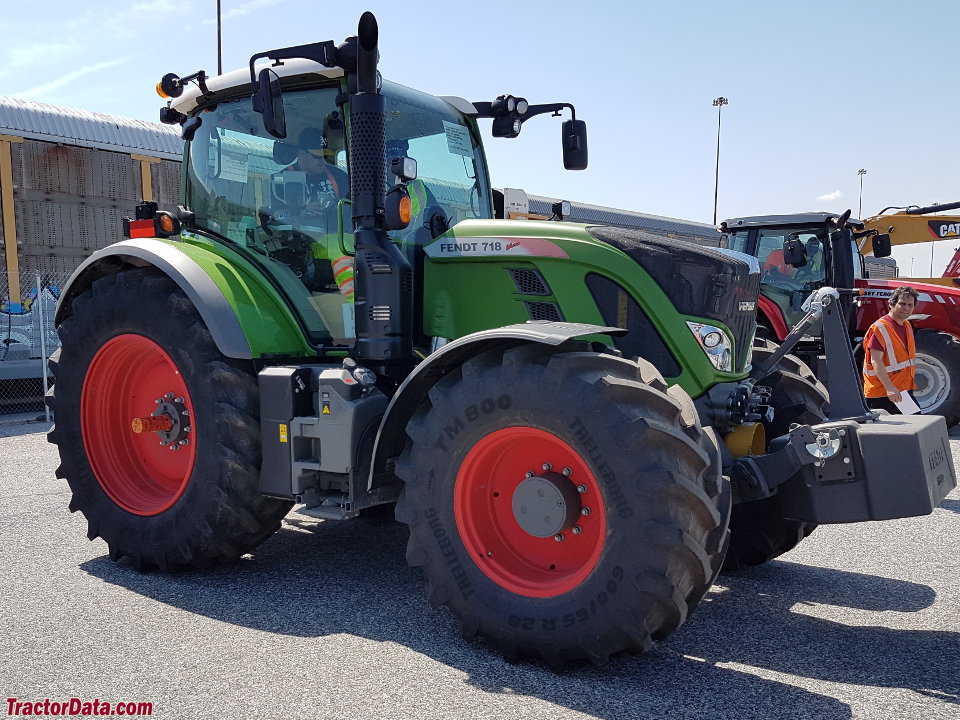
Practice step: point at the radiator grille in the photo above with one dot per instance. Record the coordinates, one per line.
(529, 282)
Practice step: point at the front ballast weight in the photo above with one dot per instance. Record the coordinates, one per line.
(858, 465)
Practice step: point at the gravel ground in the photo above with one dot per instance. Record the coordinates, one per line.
(327, 621)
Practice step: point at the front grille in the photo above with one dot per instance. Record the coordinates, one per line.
(544, 311)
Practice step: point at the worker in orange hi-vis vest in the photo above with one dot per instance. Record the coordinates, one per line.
(889, 355)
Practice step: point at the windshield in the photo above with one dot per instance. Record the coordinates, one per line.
(449, 155)
(287, 201)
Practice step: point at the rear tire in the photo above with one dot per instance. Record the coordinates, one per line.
(758, 530)
(135, 344)
(497, 455)
(938, 375)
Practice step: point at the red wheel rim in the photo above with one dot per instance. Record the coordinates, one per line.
(124, 381)
(508, 554)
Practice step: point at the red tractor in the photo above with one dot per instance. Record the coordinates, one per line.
(798, 253)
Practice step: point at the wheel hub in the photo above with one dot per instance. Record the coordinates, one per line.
(170, 421)
(546, 505)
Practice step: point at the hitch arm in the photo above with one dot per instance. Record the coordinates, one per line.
(844, 383)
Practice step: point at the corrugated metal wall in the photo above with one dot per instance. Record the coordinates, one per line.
(69, 201)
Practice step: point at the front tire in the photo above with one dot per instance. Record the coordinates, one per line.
(562, 504)
(184, 494)
(758, 530)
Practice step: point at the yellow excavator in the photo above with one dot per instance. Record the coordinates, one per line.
(913, 224)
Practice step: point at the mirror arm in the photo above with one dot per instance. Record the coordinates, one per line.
(324, 53)
(485, 110)
(553, 108)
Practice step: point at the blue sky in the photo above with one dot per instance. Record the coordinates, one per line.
(817, 89)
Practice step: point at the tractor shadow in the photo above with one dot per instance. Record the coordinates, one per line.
(776, 611)
(315, 579)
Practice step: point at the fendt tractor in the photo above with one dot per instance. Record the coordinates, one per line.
(800, 253)
(573, 421)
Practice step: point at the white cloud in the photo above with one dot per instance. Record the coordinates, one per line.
(244, 9)
(835, 195)
(26, 56)
(41, 90)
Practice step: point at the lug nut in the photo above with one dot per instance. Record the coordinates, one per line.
(179, 400)
(581, 489)
(547, 466)
(577, 529)
(585, 511)
(558, 537)
(567, 472)
(529, 473)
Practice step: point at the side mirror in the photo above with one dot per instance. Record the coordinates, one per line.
(881, 245)
(794, 253)
(268, 101)
(574, 144)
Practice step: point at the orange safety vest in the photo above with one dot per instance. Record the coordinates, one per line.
(898, 359)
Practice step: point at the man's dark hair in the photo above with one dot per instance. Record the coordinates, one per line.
(901, 291)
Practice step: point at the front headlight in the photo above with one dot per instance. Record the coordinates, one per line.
(715, 344)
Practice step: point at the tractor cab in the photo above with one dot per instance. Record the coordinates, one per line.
(285, 204)
(798, 254)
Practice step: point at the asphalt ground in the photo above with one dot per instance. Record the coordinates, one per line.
(327, 621)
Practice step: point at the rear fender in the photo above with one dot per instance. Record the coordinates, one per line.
(214, 285)
(411, 393)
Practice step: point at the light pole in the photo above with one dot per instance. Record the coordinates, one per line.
(219, 43)
(718, 103)
(861, 172)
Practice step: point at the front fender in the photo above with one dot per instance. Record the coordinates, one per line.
(769, 309)
(410, 394)
(245, 315)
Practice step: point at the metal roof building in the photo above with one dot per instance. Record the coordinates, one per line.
(700, 233)
(51, 123)
(67, 178)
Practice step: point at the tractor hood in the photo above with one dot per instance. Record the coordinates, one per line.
(708, 282)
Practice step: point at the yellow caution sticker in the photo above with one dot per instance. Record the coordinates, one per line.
(283, 433)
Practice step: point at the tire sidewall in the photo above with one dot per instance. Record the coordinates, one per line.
(945, 351)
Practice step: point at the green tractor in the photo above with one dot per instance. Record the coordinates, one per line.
(574, 421)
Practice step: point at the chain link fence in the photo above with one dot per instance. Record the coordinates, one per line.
(27, 339)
